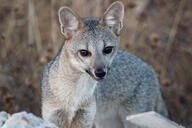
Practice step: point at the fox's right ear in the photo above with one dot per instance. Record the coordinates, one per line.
(69, 21)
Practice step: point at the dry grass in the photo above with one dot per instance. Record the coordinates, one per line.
(157, 31)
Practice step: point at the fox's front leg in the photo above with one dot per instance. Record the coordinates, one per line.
(59, 116)
(85, 117)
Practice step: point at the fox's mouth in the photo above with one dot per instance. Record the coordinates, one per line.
(93, 76)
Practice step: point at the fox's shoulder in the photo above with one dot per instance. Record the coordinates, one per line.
(127, 68)
(132, 66)
(127, 59)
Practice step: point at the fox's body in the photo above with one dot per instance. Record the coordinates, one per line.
(72, 96)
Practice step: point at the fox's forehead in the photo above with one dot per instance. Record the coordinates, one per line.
(91, 23)
(93, 33)
(93, 29)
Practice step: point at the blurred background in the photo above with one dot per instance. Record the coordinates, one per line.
(158, 31)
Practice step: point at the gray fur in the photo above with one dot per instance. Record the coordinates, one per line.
(72, 98)
(131, 87)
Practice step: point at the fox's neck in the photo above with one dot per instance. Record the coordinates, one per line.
(69, 82)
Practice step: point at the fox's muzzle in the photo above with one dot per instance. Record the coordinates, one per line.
(98, 74)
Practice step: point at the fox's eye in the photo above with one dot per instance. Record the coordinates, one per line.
(84, 53)
(108, 50)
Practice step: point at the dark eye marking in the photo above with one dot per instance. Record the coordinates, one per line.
(84, 53)
(108, 50)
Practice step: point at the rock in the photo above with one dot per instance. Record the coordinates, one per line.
(150, 120)
(23, 120)
(28, 120)
(3, 117)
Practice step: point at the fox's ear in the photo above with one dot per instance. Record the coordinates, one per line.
(113, 17)
(69, 21)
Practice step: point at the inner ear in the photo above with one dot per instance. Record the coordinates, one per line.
(113, 17)
(69, 21)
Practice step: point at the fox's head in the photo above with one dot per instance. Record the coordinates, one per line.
(91, 43)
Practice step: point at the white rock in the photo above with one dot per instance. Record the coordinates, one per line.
(3, 117)
(28, 120)
(23, 120)
(150, 120)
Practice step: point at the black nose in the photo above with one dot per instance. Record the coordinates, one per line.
(100, 73)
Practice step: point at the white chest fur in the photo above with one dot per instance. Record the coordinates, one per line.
(72, 93)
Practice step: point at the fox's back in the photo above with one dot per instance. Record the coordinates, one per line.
(128, 75)
(130, 87)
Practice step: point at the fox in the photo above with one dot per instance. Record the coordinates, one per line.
(91, 83)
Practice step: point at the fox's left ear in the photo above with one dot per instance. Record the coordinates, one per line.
(113, 17)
